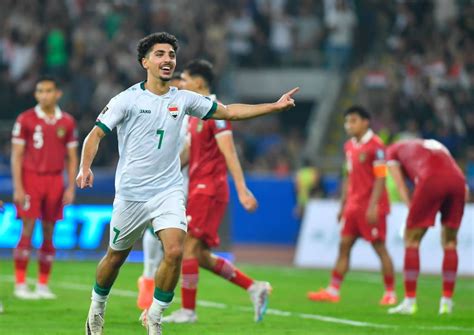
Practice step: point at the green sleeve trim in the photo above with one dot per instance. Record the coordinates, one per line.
(211, 111)
(103, 127)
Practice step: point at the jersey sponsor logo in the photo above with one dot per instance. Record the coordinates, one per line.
(362, 157)
(61, 131)
(221, 124)
(174, 110)
(106, 108)
(145, 111)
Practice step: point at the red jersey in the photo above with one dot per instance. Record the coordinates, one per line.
(365, 162)
(207, 166)
(46, 139)
(420, 159)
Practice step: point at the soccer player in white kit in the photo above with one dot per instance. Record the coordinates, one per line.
(148, 182)
(152, 247)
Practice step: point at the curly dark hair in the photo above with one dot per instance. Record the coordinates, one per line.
(146, 43)
(358, 110)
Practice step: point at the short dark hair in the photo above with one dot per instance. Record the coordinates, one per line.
(201, 68)
(359, 110)
(47, 77)
(146, 43)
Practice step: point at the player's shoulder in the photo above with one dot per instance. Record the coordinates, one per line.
(348, 144)
(186, 94)
(376, 140)
(26, 115)
(129, 94)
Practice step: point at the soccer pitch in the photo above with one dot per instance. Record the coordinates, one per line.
(226, 309)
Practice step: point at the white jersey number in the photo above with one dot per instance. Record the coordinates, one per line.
(38, 139)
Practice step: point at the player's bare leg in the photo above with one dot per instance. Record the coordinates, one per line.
(450, 267)
(389, 297)
(21, 256)
(331, 293)
(166, 277)
(45, 260)
(107, 271)
(411, 270)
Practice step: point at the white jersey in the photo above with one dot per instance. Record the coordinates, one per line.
(148, 131)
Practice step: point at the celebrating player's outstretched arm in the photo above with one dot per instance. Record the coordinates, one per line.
(85, 177)
(243, 111)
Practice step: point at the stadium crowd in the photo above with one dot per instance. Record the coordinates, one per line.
(418, 83)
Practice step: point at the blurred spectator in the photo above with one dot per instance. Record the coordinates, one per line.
(340, 22)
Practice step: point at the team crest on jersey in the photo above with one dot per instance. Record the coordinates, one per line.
(174, 110)
(362, 157)
(61, 131)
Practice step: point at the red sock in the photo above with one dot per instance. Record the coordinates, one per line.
(389, 283)
(450, 268)
(45, 260)
(21, 256)
(190, 273)
(411, 269)
(226, 270)
(336, 280)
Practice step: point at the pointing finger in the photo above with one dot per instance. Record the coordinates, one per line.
(293, 91)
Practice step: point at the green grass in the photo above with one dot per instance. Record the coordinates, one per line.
(360, 294)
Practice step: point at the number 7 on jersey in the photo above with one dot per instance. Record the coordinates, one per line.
(161, 134)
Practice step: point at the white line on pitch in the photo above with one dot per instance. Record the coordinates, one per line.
(211, 304)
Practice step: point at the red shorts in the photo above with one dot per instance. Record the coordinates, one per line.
(44, 197)
(205, 214)
(354, 223)
(435, 194)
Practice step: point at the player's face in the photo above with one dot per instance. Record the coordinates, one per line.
(189, 82)
(47, 94)
(355, 125)
(161, 61)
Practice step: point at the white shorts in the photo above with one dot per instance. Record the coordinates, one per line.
(131, 218)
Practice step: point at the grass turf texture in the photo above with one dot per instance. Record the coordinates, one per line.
(361, 291)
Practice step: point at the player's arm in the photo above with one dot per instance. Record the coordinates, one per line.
(243, 111)
(226, 146)
(85, 178)
(18, 150)
(398, 178)
(70, 192)
(184, 155)
(380, 173)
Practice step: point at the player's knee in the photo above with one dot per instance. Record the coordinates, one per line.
(173, 253)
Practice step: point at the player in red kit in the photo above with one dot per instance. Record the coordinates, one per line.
(43, 139)
(440, 186)
(364, 204)
(211, 153)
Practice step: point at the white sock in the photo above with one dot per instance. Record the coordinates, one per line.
(332, 290)
(156, 310)
(152, 254)
(410, 301)
(98, 302)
